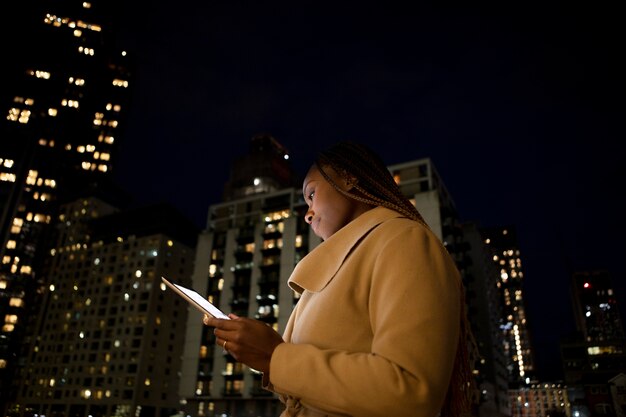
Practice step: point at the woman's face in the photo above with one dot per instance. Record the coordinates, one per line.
(329, 210)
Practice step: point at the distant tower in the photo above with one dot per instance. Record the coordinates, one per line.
(63, 103)
(265, 168)
(595, 307)
(484, 299)
(517, 339)
(594, 359)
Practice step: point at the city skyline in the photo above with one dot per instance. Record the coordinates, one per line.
(520, 112)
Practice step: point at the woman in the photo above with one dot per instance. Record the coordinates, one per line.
(380, 328)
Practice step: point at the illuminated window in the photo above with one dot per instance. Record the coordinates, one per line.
(4, 176)
(69, 103)
(120, 83)
(24, 116)
(200, 387)
(238, 386)
(10, 318)
(229, 369)
(86, 51)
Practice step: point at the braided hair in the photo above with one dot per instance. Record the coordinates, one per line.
(368, 175)
(372, 183)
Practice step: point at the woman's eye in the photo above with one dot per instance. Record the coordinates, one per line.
(311, 194)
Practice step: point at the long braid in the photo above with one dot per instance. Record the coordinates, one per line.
(375, 185)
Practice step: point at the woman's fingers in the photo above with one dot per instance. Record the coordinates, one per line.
(211, 321)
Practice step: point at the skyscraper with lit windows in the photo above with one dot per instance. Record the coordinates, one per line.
(596, 311)
(515, 327)
(594, 357)
(64, 96)
(482, 280)
(108, 336)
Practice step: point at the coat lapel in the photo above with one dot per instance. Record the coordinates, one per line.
(319, 266)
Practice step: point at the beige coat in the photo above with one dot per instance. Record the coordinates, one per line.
(376, 329)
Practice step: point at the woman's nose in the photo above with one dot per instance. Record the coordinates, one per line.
(308, 217)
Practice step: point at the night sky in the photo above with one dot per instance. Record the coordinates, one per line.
(520, 110)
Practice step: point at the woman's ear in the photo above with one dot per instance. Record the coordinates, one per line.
(349, 179)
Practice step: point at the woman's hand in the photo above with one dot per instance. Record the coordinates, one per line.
(249, 341)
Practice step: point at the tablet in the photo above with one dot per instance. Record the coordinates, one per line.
(196, 300)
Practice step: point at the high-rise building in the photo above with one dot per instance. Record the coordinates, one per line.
(515, 327)
(595, 356)
(108, 336)
(596, 311)
(265, 168)
(485, 308)
(64, 96)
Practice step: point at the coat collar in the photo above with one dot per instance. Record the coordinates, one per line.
(317, 269)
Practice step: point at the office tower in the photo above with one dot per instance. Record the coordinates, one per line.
(109, 336)
(64, 95)
(595, 356)
(265, 168)
(597, 351)
(420, 182)
(517, 338)
(595, 306)
(485, 310)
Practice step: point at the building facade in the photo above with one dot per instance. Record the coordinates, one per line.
(594, 358)
(108, 339)
(486, 314)
(515, 327)
(541, 400)
(64, 97)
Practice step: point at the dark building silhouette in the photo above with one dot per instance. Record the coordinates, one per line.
(594, 357)
(265, 168)
(486, 314)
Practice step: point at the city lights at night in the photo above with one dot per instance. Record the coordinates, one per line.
(513, 118)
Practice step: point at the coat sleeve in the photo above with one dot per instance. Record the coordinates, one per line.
(414, 314)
